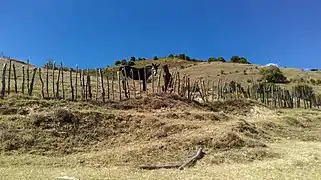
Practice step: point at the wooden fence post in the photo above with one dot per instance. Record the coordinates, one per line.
(89, 85)
(3, 90)
(108, 91)
(139, 84)
(42, 85)
(119, 86)
(9, 76)
(133, 81)
(28, 86)
(71, 85)
(32, 81)
(76, 86)
(145, 80)
(97, 84)
(112, 85)
(102, 85)
(47, 80)
(62, 81)
(57, 83)
(15, 79)
(53, 79)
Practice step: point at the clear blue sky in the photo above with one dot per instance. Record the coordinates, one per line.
(96, 33)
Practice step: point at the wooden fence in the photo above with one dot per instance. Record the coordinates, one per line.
(80, 84)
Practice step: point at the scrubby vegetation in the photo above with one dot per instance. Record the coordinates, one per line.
(273, 74)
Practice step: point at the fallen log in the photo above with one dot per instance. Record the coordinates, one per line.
(191, 162)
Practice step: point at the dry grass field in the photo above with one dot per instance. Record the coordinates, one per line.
(46, 139)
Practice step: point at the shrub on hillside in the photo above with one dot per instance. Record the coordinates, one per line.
(187, 58)
(124, 62)
(212, 59)
(117, 63)
(133, 58)
(241, 60)
(171, 56)
(131, 63)
(273, 74)
(221, 59)
(155, 58)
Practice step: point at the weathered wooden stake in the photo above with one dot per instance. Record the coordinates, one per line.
(133, 81)
(53, 79)
(71, 85)
(32, 81)
(3, 90)
(28, 87)
(47, 80)
(62, 81)
(139, 84)
(102, 85)
(23, 80)
(108, 91)
(57, 84)
(97, 84)
(89, 85)
(9, 76)
(42, 85)
(119, 85)
(112, 85)
(15, 79)
(76, 86)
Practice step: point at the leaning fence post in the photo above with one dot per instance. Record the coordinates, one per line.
(32, 81)
(102, 85)
(112, 85)
(23, 80)
(76, 82)
(108, 91)
(53, 78)
(62, 81)
(15, 79)
(119, 86)
(97, 84)
(139, 83)
(132, 74)
(57, 83)
(42, 85)
(71, 85)
(28, 87)
(47, 79)
(9, 76)
(3, 90)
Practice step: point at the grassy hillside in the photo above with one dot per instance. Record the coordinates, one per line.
(242, 139)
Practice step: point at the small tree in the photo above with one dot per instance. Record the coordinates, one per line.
(155, 58)
(123, 62)
(171, 56)
(181, 56)
(221, 59)
(212, 59)
(187, 58)
(241, 60)
(117, 63)
(131, 63)
(133, 58)
(273, 74)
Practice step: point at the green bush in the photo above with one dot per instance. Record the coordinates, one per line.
(187, 58)
(171, 56)
(133, 59)
(212, 59)
(155, 58)
(273, 74)
(221, 59)
(131, 63)
(117, 63)
(241, 60)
